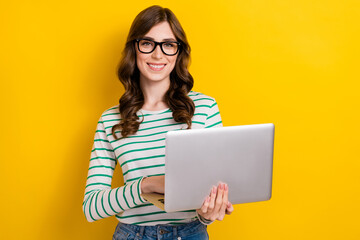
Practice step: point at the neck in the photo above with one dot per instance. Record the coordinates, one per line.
(154, 93)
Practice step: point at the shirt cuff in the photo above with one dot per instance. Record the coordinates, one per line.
(143, 200)
(203, 220)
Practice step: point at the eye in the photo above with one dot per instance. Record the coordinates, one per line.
(169, 45)
(145, 43)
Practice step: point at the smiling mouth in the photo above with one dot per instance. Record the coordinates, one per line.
(156, 67)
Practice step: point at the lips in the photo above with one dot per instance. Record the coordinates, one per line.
(156, 66)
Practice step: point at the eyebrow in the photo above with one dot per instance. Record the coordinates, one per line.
(165, 39)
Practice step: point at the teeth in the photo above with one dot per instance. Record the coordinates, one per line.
(156, 66)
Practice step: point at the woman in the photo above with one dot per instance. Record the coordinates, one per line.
(157, 99)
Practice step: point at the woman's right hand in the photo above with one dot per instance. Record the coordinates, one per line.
(153, 184)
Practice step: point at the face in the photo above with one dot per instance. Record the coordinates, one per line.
(156, 66)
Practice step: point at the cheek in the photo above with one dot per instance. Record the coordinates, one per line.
(140, 60)
(173, 61)
(173, 64)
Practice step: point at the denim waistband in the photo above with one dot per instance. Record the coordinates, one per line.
(163, 230)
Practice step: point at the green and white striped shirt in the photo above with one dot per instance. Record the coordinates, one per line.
(139, 155)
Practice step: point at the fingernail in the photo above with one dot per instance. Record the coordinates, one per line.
(221, 186)
(226, 187)
(214, 189)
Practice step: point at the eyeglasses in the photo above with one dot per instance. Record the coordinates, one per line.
(169, 48)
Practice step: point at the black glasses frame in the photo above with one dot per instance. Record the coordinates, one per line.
(157, 43)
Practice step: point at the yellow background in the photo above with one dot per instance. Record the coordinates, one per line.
(292, 63)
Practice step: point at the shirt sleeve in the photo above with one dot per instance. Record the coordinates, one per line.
(203, 220)
(100, 200)
(213, 118)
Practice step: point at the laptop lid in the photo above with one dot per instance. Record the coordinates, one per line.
(197, 159)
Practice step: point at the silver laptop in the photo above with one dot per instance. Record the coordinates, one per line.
(197, 159)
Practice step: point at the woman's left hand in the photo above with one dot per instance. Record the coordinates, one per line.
(216, 205)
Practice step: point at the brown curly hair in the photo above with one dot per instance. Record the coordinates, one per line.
(181, 81)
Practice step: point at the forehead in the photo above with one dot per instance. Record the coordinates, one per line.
(160, 32)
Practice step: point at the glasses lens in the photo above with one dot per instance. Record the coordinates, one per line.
(146, 46)
(170, 48)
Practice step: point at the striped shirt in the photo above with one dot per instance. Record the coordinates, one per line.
(139, 155)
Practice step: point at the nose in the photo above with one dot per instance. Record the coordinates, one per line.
(157, 53)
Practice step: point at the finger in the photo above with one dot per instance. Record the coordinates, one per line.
(224, 200)
(229, 208)
(219, 198)
(204, 207)
(220, 217)
(221, 213)
(212, 199)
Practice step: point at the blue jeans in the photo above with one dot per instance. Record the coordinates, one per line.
(188, 231)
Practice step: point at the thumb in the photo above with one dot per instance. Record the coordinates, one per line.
(229, 208)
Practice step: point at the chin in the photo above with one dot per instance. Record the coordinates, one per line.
(156, 78)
